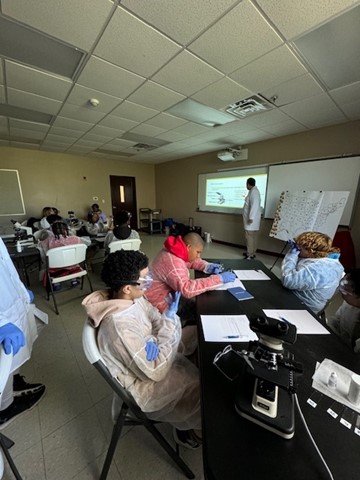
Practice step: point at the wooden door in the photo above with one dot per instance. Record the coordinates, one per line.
(123, 197)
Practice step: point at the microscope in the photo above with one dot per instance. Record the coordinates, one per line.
(23, 234)
(267, 383)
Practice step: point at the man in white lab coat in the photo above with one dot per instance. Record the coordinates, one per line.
(251, 218)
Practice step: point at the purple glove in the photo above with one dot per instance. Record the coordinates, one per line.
(214, 268)
(227, 277)
(152, 350)
(173, 302)
(12, 338)
(293, 247)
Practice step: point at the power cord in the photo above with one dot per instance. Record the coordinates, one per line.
(312, 438)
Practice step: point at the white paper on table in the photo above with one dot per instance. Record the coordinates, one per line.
(227, 328)
(251, 275)
(302, 319)
(226, 286)
(340, 392)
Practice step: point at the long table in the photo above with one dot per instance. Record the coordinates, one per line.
(235, 448)
(22, 260)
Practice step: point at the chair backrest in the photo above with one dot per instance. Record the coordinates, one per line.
(66, 256)
(128, 244)
(92, 353)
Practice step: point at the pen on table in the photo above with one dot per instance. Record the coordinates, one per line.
(284, 319)
(232, 336)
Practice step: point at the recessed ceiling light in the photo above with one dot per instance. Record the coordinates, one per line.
(199, 113)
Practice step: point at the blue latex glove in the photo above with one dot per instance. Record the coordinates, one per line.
(152, 350)
(227, 277)
(293, 247)
(214, 268)
(173, 302)
(31, 296)
(12, 338)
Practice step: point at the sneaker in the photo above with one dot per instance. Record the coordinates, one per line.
(250, 257)
(245, 255)
(20, 405)
(186, 438)
(21, 387)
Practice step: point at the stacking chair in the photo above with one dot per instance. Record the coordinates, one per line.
(130, 413)
(5, 442)
(63, 257)
(128, 244)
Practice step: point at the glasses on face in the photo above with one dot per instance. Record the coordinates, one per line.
(143, 283)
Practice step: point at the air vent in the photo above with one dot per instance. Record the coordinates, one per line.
(140, 147)
(249, 106)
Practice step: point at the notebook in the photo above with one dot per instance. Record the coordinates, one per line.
(240, 293)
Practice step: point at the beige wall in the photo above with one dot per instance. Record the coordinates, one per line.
(176, 182)
(69, 182)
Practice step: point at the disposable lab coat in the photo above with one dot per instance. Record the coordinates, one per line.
(252, 210)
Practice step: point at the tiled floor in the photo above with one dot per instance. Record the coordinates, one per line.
(67, 435)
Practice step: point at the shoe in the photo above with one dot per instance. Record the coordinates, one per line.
(75, 282)
(245, 255)
(21, 387)
(186, 438)
(57, 287)
(250, 257)
(20, 405)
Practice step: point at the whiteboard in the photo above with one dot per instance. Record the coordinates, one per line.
(336, 174)
(11, 199)
(305, 211)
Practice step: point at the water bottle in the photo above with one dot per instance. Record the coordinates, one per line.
(18, 246)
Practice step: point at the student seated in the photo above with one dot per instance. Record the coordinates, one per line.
(144, 349)
(312, 269)
(346, 321)
(170, 271)
(94, 225)
(45, 213)
(122, 229)
(96, 209)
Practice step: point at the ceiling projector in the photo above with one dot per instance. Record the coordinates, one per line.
(230, 154)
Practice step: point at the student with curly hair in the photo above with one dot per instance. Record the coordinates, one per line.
(144, 349)
(312, 269)
(122, 229)
(346, 321)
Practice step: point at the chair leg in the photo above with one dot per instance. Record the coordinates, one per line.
(167, 447)
(5, 444)
(91, 287)
(114, 439)
(53, 297)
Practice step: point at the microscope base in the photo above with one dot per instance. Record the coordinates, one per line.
(284, 422)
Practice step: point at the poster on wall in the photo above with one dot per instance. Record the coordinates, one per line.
(308, 211)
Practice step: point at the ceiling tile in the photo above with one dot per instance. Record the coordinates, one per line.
(88, 143)
(30, 146)
(119, 123)
(134, 112)
(76, 22)
(145, 129)
(146, 49)
(1, 73)
(191, 129)
(347, 94)
(106, 131)
(352, 109)
(155, 96)
(53, 148)
(313, 111)
(171, 136)
(22, 124)
(32, 101)
(165, 121)
(73, 124)
(293, 18)
(274, 68)
(63, 132)
(24, 133)
(187, 74)
(105, 77)
(83, 114)
(2, 94)
(243, 34)
(120, 142)
(222, 93)
(34, 81)
(338, 38)
(284, 128)
(81, 95)
(91, 137)
(60, 139)
(271, 117)
(181, 21)
(3, 126)
(296, 89)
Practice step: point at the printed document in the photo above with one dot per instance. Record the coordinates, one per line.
(302, 319)
(251, 275)
(227, 328)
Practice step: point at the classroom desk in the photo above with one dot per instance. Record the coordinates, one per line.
(235, 448)
(20, 259)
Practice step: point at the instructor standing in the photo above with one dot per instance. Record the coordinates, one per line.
(251, 217)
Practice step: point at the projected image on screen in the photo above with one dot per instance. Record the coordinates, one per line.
(225, 192)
